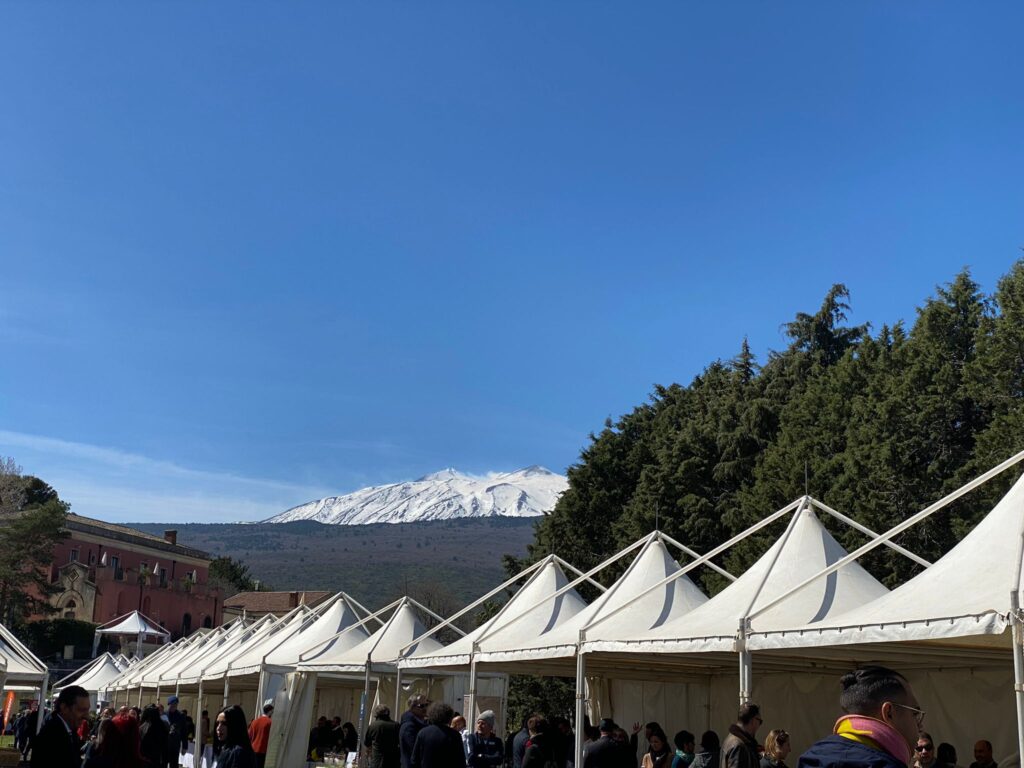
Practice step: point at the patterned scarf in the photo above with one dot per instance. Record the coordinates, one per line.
(874, 733)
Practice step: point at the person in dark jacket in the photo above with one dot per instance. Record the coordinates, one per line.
(381, 742)
(231, 733)
(881, 724)
(116, 745)
(710, 753)
(539, 749)
(155, 737)
(413, 721)
(519, 742)
(739, 750)
(57, 744)
(177, 731)
(438, 745)
(607, 752)
(483, 748)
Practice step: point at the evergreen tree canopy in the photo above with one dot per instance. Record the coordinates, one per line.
(877, 425)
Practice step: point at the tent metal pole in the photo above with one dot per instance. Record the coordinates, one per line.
(581, 683)
(745, 662)
(226, 690)
(362, 708)
(42, 702)
(199, 701)
(140, 696)
(1018, 668)
(398, 691)
(471, 704)
(158, 691)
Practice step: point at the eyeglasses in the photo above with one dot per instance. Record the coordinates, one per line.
(923, 748)
(918, 713)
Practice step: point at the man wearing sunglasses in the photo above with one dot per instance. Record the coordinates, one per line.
(880, 728)
(413, 721)
(924, 751)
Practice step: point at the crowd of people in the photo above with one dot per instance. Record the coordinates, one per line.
(883, 727)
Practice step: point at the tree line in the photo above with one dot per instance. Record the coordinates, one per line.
(875, 422)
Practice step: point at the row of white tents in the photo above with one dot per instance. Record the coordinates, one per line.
(652, 646)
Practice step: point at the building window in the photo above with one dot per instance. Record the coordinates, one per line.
(74, 556)
(208, 622)
(186, 624)
(69, 609)
(115, 565)
(92, 557)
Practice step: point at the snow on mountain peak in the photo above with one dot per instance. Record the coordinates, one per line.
(442, 495)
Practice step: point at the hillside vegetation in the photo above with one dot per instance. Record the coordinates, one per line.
(445, 564)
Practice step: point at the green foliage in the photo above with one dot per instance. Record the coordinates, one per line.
(47, 638)
(548, 696)
(32, 520)
(233, 576)
(878, 425)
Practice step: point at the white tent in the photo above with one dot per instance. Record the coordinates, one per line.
(132, 624)
(953, 617)
(25, 672)
(96, 677)
(630, 603)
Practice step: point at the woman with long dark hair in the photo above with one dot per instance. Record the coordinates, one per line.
(658, 754)
(231, 745)
(154, 734)
(117, 744)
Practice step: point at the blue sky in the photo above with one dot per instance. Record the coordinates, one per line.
(255, 253)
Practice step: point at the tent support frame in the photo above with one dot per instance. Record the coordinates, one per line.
(581, 683)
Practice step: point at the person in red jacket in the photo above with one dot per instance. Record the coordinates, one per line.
(259, 734)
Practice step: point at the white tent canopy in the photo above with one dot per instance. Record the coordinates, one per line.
(969, 592)
(535, 602)
(25, 672)
(640, 599)
(133, 623)
(382, 648)
(96, 677)
(804, 549)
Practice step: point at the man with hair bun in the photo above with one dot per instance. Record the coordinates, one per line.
(880, 728)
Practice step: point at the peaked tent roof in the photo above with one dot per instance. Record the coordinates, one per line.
(23, 667)
(965, 593)
(96, 676)
(383, 647)
(133, 623)
(642, 608)
(212, 663)
(250, 657)
(539, 590)
(337, 617)
(804, 549)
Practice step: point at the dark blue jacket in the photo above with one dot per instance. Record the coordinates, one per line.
(407, 732)
(840, 752)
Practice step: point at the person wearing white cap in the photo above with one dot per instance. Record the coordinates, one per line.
(484, 749)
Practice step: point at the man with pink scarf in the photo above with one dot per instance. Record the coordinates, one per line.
(880, 727)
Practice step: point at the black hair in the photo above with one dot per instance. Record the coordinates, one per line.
(683, 738)
(439, 713)
(748, 711)
(382, 710)
(946, 753)
(653, 726)
(237, 727)
(867, 688)
(268, 709)
(68, 696)
(709, 741)
(150, 714)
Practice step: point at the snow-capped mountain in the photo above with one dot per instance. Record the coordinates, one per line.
(440, 496)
